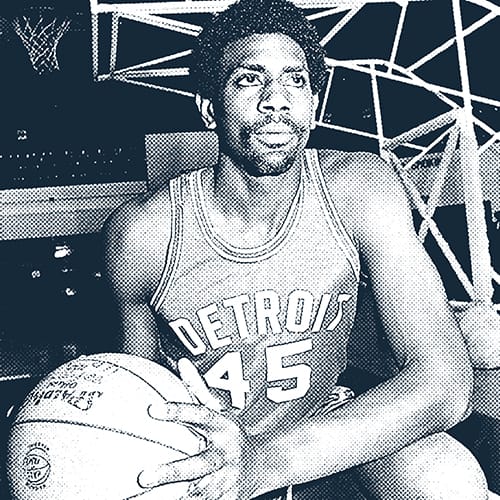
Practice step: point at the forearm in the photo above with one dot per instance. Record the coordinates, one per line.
(383, 420)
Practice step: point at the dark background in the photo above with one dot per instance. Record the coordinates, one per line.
(53, 309)
(65, 111)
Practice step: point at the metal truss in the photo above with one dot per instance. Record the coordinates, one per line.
(156, 14)
(456, 128)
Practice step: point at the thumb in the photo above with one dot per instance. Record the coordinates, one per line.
(196, 385)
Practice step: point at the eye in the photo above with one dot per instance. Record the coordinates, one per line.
(295, 80)
(248, 80)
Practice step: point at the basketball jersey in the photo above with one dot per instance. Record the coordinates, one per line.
(267, 326)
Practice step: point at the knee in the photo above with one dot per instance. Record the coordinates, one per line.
(451, 471)
(435, 468)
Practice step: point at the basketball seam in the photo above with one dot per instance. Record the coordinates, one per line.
(138, 376)
(99, 427)
(111, 428)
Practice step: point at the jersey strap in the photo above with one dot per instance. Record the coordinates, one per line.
(333, 219)
(174, 245)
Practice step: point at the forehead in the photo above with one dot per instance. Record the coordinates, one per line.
(270, 50)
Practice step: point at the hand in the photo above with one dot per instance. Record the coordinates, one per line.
(223, 470)
(197, 386)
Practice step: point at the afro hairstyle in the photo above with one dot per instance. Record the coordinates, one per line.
(245, 18)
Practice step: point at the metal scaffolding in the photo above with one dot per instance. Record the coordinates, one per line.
(454, 131)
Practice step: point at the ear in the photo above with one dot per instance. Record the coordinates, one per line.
(206, 109)
(315, 109)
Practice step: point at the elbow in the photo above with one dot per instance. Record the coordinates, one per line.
(459, 409)
(456, 397)
(464, 408)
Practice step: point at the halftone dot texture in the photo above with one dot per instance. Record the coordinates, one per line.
(245, 18)
(292, 260)
(41, 37)
(151, 236)
(84, 431)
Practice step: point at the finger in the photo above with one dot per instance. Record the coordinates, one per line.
(337, 397)
(196, 385)
(201, 486)
(213, 487)
(195, 490)
(186, 469)
(188, 414)
(232, 495)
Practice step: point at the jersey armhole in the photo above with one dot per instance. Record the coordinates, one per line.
(173, 248)
(345, 241)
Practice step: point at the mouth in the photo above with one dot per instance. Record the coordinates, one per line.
(274, 138)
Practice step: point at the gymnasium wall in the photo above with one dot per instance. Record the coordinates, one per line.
(57, 305)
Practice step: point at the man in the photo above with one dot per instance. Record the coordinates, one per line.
(258, 289)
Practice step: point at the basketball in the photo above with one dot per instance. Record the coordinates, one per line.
(84, 432)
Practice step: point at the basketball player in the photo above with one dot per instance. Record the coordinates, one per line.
(250, 270)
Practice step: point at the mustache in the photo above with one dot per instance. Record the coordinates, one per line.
(266, 120)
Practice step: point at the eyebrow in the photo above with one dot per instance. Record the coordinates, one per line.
(261, 69)
(296, 69)
(252, 67)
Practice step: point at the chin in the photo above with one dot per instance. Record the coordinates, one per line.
(270, 165)
(259, 161)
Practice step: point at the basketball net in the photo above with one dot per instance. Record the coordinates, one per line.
(41, 40)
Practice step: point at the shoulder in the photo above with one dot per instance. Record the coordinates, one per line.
(137, 217)
(353, 168)
(364, 187)
(136, 236)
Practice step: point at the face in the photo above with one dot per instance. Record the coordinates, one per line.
(265, 109)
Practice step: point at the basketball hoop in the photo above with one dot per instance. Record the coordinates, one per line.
(41, 40)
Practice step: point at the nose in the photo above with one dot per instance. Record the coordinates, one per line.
(274, 99)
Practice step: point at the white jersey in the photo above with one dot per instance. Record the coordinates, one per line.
(266, 326)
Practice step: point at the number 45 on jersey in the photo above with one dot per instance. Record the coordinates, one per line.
(227, 374)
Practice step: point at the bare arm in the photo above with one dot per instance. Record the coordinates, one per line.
(133, 265)
(432, 390)
(429, 394)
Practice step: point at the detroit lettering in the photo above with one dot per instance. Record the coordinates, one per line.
(300, 316)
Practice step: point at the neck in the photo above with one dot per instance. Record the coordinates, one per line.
(249, 210)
